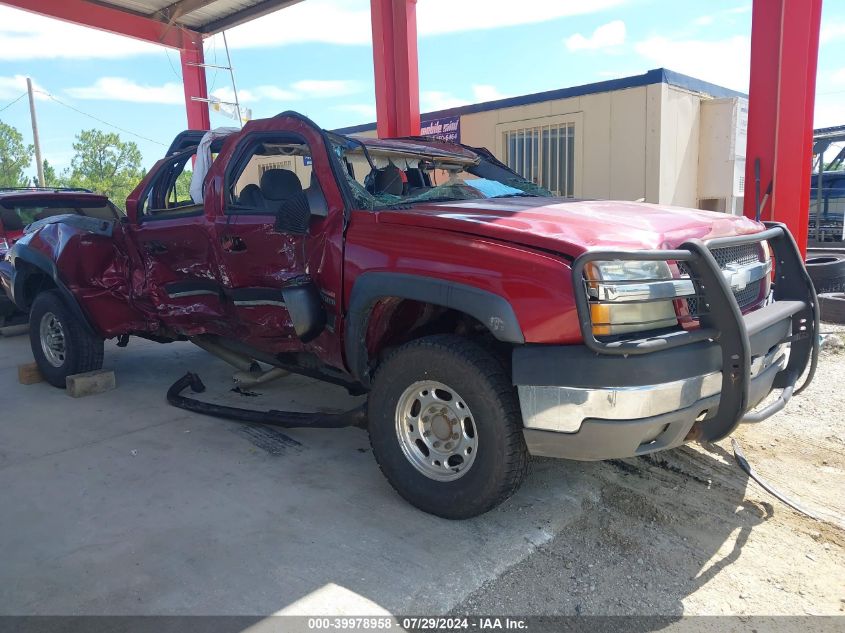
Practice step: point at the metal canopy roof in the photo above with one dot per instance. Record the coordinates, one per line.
(203, 16)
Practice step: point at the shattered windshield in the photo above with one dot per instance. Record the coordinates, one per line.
(386, 175)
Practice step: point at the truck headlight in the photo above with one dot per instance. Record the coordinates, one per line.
(633, 296)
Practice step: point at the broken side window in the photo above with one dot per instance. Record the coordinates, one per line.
(386, 175)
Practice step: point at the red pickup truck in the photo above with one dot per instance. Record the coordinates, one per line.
(20, 206)
(485, 318)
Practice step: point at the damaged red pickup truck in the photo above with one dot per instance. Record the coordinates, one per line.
(486, 318)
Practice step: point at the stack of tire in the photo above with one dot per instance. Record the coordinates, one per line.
(827, 270)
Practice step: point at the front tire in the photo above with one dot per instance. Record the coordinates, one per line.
(61, 344)
(445, 427)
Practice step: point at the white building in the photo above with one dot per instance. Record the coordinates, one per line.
(662, 137)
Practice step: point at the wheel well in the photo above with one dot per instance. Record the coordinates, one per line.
(35, 282)
(395, 321)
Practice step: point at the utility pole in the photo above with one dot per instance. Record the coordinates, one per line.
(38, 163)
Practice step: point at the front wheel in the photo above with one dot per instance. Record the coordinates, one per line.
(445, 427)
(61, 344)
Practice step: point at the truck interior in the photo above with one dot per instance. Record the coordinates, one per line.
(275, 177)
(387, 174)
(17, 214)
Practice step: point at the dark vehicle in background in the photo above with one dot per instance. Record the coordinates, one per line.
(827, 203)
(20, 207)
(826, 236)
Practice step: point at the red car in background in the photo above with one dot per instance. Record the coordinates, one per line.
(19, 207)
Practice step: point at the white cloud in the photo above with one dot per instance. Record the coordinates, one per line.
(348, 21)
(727, 16)
(435, 17)
(828, 110)
(123, 89)
(614, 74)
(328, 21)
(322, 88)
(831, 31)
(228, 95)
(485, 92)
(12, 87)
(726, 62)
(364, 110)
(439, 100)
(24, 35)
(274, 93)
(431, 100)
(607, 35)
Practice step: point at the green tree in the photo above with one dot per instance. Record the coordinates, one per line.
(182, 188)
(105, 164)
(15, 157)
(51, 178)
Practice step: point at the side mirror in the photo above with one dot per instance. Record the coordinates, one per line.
(302, 300)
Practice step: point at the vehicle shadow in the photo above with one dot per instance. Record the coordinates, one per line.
(627, 537)
(659, 529)
(181, 514)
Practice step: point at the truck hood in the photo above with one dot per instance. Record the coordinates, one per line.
(573, 226)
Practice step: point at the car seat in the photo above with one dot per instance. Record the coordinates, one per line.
(251, 196)
(283, 192)
(389, 180)
(10, 219)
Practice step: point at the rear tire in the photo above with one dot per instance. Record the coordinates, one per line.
(445, 427)
(61, 343)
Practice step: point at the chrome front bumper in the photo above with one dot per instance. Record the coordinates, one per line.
(619, 397)
(610, 423)
(564, 409)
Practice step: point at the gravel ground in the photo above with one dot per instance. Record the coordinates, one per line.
(686, 532)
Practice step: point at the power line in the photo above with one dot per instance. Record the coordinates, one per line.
(11, 103)
(172, 67)
(91, 116)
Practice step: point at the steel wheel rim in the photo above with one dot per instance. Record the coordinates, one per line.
(436, 430)
(52, 334)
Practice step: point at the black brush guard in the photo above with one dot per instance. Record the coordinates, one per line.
(724, 323)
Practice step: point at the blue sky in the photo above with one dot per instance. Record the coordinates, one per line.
(316, 57)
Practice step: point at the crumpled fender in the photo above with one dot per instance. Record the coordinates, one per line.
(40, 262)
(96, 226)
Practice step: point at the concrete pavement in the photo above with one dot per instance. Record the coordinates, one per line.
(120, 504)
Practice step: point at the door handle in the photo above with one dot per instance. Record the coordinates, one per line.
(154, 248)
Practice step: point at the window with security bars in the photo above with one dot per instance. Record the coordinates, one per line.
(545, 155)
(284, 164)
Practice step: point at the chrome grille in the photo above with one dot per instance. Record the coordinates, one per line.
(742, 255)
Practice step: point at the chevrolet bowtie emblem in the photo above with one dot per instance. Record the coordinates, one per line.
(737, 278)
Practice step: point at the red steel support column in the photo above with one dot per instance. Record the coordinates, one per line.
(784, 57)
(193, 78)
(396, 68)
